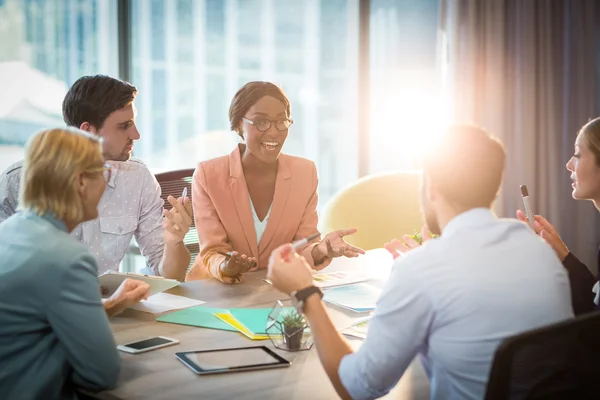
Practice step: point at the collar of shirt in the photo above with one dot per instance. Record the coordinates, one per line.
(113, 174)
(471, 218)
(50, 218)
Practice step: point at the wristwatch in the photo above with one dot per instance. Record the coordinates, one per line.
(299, 297)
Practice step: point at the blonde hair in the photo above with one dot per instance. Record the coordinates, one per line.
(590, 134)
(53, 160)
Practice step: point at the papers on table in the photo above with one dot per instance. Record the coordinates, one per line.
(360, 297)
(358, 329)
(163, 302)
(110, 281)
(330, 279)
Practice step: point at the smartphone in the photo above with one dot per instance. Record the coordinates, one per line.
(149, 344)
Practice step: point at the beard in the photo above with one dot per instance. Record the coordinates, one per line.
(123, 156)
(430, 216)
(432, 221)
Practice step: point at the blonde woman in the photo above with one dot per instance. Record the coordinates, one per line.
(55, 333)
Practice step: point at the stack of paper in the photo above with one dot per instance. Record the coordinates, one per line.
(341, 278)
(361, 297)
(163, 302)
(358, 329)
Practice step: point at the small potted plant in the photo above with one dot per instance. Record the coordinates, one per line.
(293, 329)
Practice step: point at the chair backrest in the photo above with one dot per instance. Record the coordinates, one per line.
(382, 207)
(559, 361)
(172, 184)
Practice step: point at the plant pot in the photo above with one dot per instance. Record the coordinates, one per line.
(293, 337)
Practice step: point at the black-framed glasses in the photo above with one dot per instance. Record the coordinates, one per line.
(263, 125)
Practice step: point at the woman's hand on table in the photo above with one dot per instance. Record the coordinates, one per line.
(542, 227)
(333, 245)
(288, 271)
(234, 266)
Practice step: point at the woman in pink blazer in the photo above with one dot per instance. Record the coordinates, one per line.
(255, 199)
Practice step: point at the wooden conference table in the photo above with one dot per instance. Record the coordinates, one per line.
(159, 375)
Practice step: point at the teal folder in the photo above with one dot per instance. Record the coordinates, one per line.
(198, 316)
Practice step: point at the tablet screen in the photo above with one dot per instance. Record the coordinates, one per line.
(232, 359)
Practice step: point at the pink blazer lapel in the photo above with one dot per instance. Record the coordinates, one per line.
(239, 192)
(282, 190)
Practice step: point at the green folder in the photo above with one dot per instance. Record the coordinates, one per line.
(198, 316)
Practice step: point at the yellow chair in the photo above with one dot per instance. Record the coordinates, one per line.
(382, 207)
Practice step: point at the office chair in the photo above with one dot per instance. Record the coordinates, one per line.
(382, 207)
(172, 183)
(559, 361)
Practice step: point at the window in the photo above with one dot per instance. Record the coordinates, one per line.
(406, 96)
(192, 71)
(45, 45)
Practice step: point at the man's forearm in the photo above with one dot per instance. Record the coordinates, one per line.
(176, 261)
(331, 346)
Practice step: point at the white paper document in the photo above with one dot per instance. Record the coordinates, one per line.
(163, 302)
(360, 297)
(358, 329)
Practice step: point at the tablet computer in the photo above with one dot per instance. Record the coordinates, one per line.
(236, 359)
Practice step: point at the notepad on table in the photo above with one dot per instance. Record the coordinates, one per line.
(232, 321)
(360, 297)
(163, 302)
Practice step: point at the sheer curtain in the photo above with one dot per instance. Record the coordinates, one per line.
(528, 71)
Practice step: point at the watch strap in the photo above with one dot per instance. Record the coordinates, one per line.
(303, 294)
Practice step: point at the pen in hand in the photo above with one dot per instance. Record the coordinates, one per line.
(183, 195)
(528, 213)
(303, 242)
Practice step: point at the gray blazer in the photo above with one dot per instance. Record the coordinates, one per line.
(54, 332)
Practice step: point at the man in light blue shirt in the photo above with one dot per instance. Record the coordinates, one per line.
(451, 301)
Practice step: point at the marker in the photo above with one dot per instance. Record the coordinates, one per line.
(183, 195)
(303, 242)
(525, 196)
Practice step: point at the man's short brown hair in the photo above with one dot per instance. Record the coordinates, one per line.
(93, 98)
(465, 166)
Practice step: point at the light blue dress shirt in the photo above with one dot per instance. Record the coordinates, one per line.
(54, 332)
(453, 301)
(131, 205)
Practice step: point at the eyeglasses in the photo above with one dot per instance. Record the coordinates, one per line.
(263, 125)
(106, 170)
